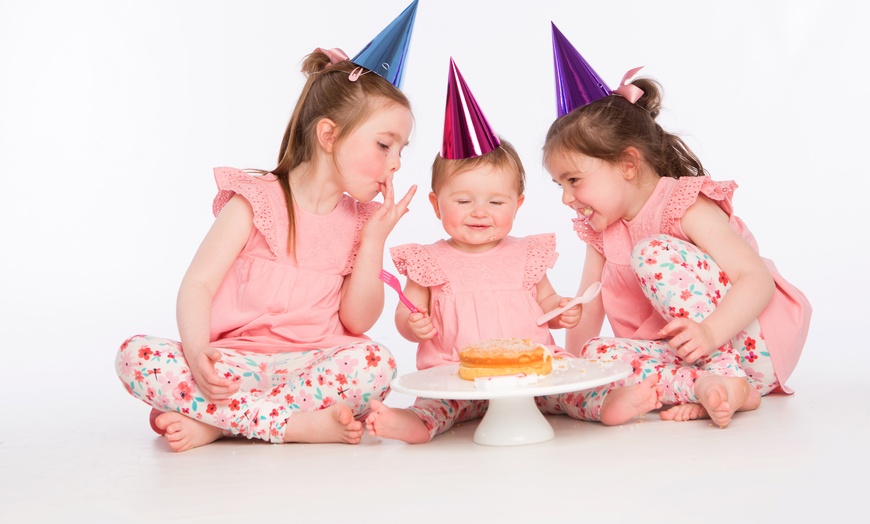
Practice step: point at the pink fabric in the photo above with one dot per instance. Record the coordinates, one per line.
(269, 302)
(785, 321)
(478, 296)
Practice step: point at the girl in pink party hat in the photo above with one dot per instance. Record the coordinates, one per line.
(684, 288)
(480, 283)
(273, 309)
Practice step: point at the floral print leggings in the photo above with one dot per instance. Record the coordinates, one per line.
(680, 280)
(272, 387)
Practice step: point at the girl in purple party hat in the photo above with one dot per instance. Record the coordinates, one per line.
(481, 283)
(274, 306)
(684, 289)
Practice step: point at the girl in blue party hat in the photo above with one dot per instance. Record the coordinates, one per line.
(274, 306)
(684, 288)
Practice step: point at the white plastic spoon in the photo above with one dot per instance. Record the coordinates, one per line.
(587, 295)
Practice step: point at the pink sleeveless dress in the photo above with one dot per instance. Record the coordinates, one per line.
(269, 302)
(478, 296)
(784, 322)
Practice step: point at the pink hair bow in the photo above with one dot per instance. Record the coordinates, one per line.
(335, 54)
(630, 92)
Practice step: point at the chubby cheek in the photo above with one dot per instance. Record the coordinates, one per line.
(505, 221)
(453, 220)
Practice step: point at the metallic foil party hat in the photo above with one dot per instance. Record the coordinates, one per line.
(385, 55)
(460, 118)
(577, 84)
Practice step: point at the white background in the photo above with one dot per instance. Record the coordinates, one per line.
(113, 114)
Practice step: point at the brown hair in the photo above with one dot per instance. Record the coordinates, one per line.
(328, 93)
(606, 127)
(504, 156)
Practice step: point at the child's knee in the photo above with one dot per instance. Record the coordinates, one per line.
(645, 251)
(127, 354)
(597, 347)
(380, 357)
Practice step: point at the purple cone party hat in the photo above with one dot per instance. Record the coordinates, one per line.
(462, 117)
(577, 84)
(385, 55)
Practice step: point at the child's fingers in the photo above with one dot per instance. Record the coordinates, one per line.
(214, 355)
(426, 332)
(389, 192)
(215, 382)
(406, 200)
(690, 350)
(672, 329)
(209, 374)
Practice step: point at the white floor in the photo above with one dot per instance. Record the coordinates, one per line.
(803, 456)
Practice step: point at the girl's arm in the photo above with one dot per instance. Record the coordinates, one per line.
(593, 312)
(220, 247)
(362, 293)
(752, 287)
(415, 327)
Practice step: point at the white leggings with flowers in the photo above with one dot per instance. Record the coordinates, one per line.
(272, 387)
(680, 280)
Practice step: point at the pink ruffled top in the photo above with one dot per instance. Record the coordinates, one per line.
(479, 296)
(784, 322)
(269, 302)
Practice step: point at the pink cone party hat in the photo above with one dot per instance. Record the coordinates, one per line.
(460, 118)
(385, 55)
(577, 84)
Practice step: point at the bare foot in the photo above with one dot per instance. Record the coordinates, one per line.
(684, 412)
(723, 396)
(185, 433)
(152, 419)
(333, 424)
(623, 404)
(400, 424)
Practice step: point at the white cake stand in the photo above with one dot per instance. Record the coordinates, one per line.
(512, 418)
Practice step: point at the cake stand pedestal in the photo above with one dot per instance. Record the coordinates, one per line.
(512, 418)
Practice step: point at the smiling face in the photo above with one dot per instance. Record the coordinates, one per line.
(598, 190)
(477, 206)
(370, 153)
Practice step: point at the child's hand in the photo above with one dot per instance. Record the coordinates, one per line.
(215, 387)
(690, 340)
(570, 317)
(382, 221)
(421, 325)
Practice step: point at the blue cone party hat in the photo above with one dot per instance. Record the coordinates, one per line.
(577, 84)
(385, 55)
(460, 118)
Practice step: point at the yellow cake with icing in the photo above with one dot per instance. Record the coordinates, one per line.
(504, 356)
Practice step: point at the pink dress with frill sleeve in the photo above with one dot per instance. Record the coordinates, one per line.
(479, 296)
(270, 303)
(784, 322)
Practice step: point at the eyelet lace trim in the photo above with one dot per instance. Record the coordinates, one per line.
(686, 193)
(415, 262)
(540, 256)
(231, 181)
(587, 234)
(363, 212)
